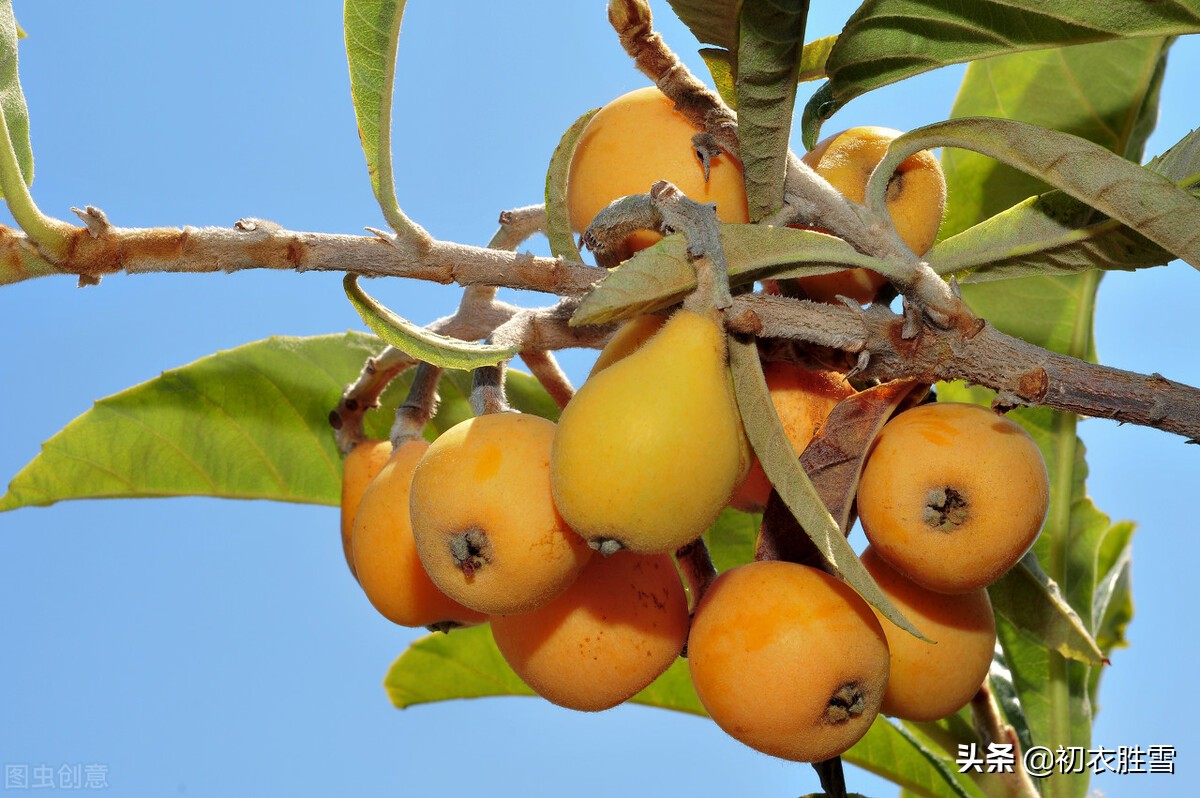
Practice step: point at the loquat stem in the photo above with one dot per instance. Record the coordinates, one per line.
(1023, 374)
(542, 365)
(418, 407)
(697, 221)
(487, 391)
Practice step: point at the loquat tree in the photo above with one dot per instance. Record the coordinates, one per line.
(776, 302)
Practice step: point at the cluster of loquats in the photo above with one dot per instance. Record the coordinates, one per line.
(564, 536)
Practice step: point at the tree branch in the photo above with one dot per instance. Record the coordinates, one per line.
(101, 248)
(1022, 374)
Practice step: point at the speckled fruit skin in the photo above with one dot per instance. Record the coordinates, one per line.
(916, 199)
(385, 555)
(486, 481)
(362, 464)
(635, 141)
(929, 681)
(777, 650)
(986, 472)
(803, 399)
(650, 449)
(614, 631)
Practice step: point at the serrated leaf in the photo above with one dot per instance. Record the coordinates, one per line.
(467, 664)
(558, 217)
(662, 275)
(721, 67)
(1031, 601)
(710, 21)
(1131, 194)
(418, 342)
(894, 753)
(372, 34)
(770, 43)
(247, 423)
(767, 437)
(12, 98)
(888, 40)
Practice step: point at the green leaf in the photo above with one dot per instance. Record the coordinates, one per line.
(662, 275)
(372, 36)
(896, 754)
(1049, 234)
(770, 43)
(418, 342)
(767, 437)
(888, 40)
(558, 217)
(247, 423)
(467, 664)
(1031, 601)
(1131, 194)
(731, 538)
(12, 98)
(1107, 93)
(721, 67)
(710, 21)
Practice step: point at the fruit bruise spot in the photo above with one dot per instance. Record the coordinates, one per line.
(945, 509)
(471, 550)
(846, 703)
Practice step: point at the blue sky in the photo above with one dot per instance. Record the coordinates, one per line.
(208, 647)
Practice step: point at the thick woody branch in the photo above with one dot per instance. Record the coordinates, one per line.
(1021, 373)
(101, 248)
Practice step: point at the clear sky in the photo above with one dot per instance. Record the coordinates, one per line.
(204, 647)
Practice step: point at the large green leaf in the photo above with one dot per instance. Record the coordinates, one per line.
(1106, 93)
(710, 21)
(770, 44)
(889, 40)
(1118, 188)
(12, 98)
(721, 67)
(247, 423)
(731, 538)
(372, 35)
(662, 275)
(467, 664)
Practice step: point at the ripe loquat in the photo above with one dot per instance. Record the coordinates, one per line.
(485, 525)
(788, 660)
(614, 631)
(385, 555)
(952, 495)
(362, 464)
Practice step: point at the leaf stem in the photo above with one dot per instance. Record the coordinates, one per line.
(53, 236)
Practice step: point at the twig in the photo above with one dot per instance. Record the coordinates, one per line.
(418, 407)
(992, 729)
(543, 365)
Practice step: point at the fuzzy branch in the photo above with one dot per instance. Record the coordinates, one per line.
(1021, 373)
(101, 248)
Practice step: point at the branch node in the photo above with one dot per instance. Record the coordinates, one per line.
(96, 221)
